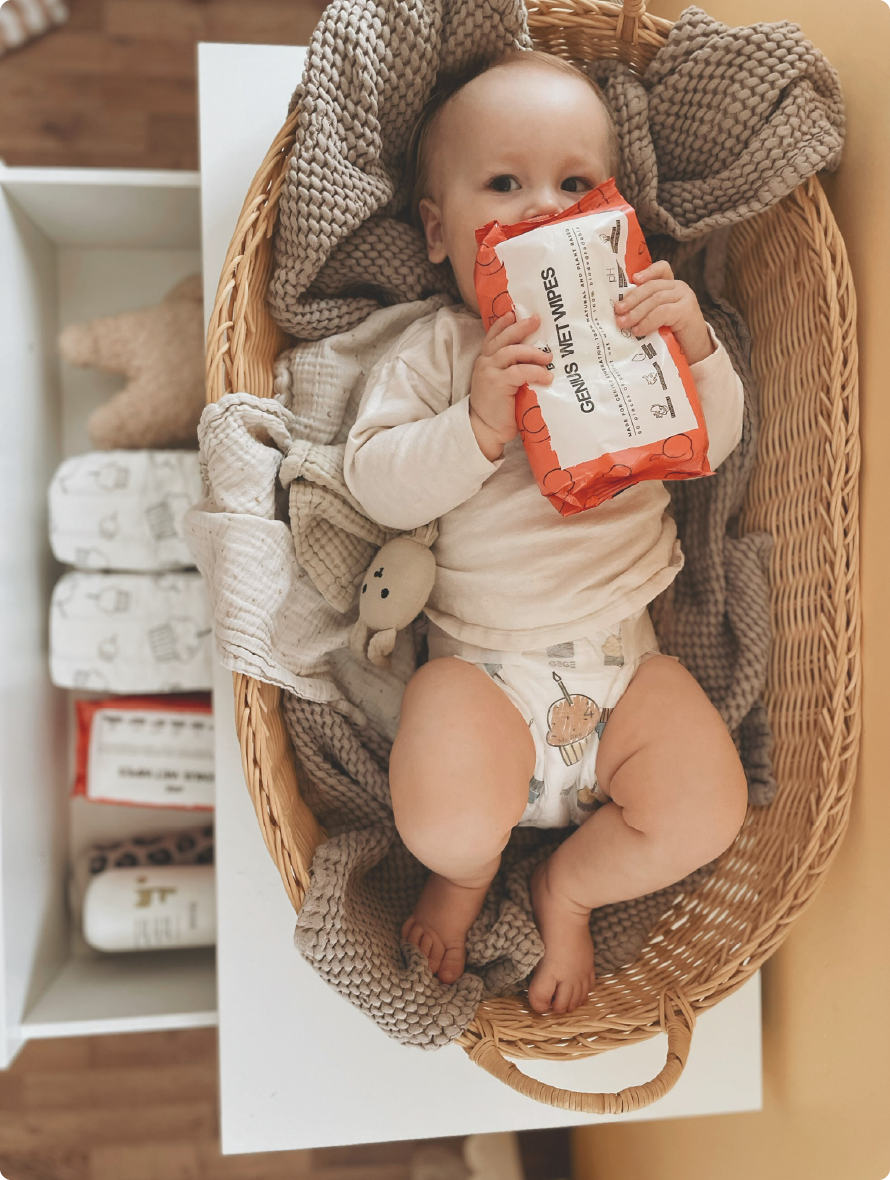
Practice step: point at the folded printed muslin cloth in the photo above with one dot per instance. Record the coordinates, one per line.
(284, 574)
(123, 510)
(131, 633)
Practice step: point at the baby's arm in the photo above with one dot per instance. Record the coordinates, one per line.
(412, 456)
(503, 366)
(722, 399)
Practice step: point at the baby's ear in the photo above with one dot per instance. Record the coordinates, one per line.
(432, 228)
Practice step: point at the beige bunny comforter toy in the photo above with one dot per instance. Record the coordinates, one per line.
(393, 592)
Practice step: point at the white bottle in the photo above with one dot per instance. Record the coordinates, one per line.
(147, 908)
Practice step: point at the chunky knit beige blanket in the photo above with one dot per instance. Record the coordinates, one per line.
(723, 124)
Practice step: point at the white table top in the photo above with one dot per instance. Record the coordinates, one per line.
(299, 1066)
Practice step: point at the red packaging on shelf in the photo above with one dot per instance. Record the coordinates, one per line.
(146, 751)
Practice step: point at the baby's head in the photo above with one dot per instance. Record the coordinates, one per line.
(525, 136)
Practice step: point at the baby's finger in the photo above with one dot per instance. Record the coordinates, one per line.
(494, 331)
(520, 354)
(639, 294)
(656, 270)
(666, 315)
(518, 375)
(499, 324)
(509, 330)
(633, 316)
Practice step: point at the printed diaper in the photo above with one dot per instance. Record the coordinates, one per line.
(131, 633)
(123, 510)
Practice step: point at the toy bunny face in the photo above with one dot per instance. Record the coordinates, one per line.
(396, 585)
(379, 607)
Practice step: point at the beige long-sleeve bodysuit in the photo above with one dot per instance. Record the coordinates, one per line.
(512, 573)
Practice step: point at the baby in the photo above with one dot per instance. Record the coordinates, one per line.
(545, 701)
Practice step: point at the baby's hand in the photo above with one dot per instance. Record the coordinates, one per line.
(503, 366)
(661, 301)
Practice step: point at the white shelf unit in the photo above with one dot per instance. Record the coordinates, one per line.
(74, 244)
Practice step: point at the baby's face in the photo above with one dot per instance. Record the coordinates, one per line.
(518, 142)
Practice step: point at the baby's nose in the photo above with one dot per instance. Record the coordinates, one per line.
(543, 204)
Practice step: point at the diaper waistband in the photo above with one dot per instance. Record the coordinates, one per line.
(635, 634)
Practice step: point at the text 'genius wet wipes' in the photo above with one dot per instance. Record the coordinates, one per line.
(620, 409)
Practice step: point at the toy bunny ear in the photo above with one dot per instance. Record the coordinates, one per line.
(380, 647)
(375, 646)
(359, 635)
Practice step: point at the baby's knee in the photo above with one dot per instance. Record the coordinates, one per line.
(683, 784)
(728, 807)
(438, 811)
(715, 810)
(458, 769)
(454, 848)
(696, 815)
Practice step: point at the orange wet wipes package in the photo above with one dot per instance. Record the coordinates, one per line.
(620, 409)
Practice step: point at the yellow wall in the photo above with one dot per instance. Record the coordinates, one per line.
(826, 1109)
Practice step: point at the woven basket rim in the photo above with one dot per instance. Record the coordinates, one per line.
(241, 339)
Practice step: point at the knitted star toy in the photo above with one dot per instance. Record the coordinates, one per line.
(160, 350)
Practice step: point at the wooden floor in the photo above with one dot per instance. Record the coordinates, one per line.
(144, 1107)
(116, 86)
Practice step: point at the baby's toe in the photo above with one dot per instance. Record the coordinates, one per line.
(436, 952)
(541, 989)
(412, 931)
(452, 965)
(562, 999)
(426, 941)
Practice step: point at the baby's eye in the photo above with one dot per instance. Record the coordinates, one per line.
(576, 184)
(504, 184)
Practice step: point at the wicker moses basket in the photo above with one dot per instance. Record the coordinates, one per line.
(788, 275)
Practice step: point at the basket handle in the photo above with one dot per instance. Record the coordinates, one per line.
(632, 12)
(675, 1017)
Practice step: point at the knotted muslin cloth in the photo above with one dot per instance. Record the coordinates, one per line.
(723, 124)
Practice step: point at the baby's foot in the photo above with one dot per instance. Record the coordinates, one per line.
(443, 915)
(564, 977)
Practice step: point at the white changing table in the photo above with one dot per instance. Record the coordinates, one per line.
(299, 1066)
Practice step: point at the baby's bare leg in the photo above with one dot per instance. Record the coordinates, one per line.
(679, 798)
(459, 774)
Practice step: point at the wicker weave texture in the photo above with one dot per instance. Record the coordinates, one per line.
(588, 30)
(790, 278)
